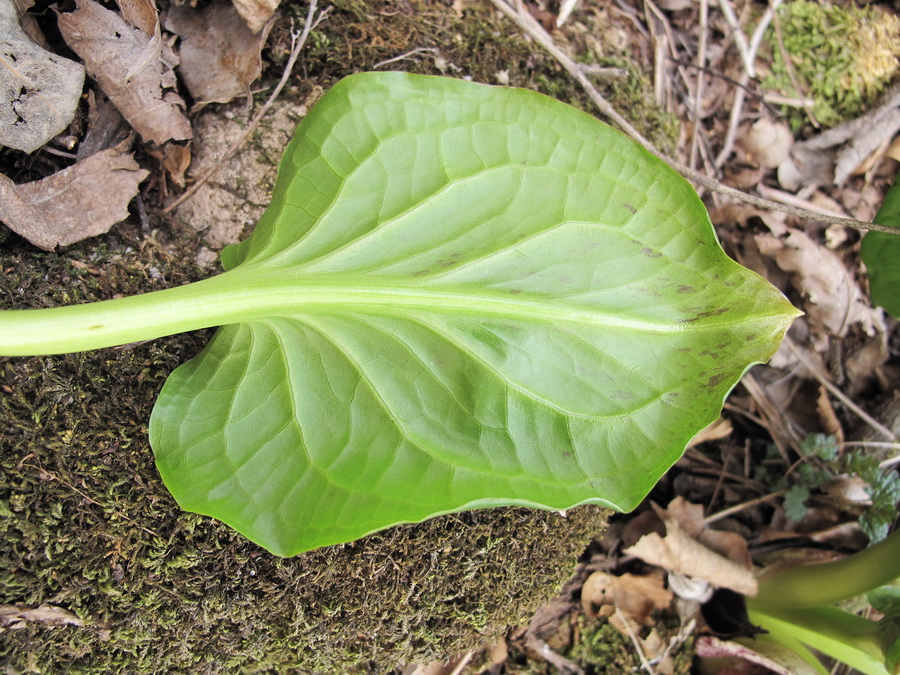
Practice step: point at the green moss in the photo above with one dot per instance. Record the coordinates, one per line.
(842, 56)
(87, 525)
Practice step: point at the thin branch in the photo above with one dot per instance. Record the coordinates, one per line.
(297, 43)
(740, 39)
(737, 508)
(701, 80)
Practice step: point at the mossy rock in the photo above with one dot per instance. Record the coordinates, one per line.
(88, 526)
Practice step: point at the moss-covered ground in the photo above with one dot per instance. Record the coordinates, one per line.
(86, 524)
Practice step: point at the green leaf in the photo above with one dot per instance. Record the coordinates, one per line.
(795, 502)
(880, 252)
(469, 296)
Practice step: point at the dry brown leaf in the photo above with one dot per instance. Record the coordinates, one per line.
(691, 519)
(716, 431)
(256, 13)
(777, 659)
(681, 553)
(768, 142)
(14, 617)
(637, 597)
(220, 55)
(40, 90)
(106, 127)
(116, 56)
(140, 14)
(76, 203)
(835, 301)
(176, 161)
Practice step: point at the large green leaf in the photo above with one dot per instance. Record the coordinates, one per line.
(482, 297)
(880, 252)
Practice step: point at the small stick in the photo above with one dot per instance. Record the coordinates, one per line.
(411, 52)
(740, 39)
(746, 76)
(731, 510)
(537, 32)
(634, 640)
(698, 92)
(297, 44)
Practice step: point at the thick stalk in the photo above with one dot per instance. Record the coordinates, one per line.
(846, 637)
(825, 583)
(249, 293)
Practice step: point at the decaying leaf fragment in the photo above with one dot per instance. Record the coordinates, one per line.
(76, 203)
(220, 55)
(682, 552)
(14, 617)
(835, 299)
(117, 56)
(256, 12)
(40, 90)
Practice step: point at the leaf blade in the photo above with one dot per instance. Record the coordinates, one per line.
(511, 314)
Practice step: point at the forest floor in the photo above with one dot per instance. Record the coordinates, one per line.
(800, 463)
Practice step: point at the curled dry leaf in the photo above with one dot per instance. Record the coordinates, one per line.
(768, 142)
(220, 55)
(17, 616)
(679, 552)
(76, 203)
(635, 596)
(256, 13)
(40, 90)
(835, 301)
(117, 57)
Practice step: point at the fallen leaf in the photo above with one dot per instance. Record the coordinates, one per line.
(220, 55)
(40, 89)
(175, 159)
(691, 519)
(106, 127)
(81, 201)
(681, 553)
(777, 659)
(116, 54)
(636, 596)
(835, 301)
(14, 617)
(140, 14)
(768, 142)
(834, 154)
(256, 13)
(716, 431)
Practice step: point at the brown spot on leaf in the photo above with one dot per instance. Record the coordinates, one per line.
(650, 253)
(715, 380)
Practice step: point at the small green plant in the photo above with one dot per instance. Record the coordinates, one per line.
(797, 609)
(461, 296)
(821, 462)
